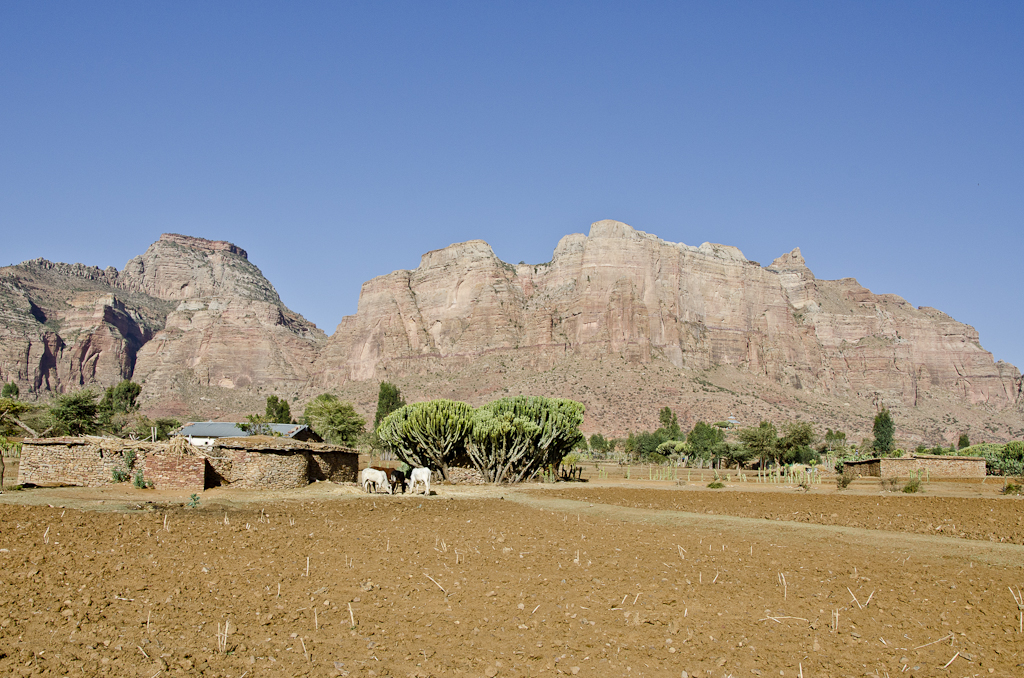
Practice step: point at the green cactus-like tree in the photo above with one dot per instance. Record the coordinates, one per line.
(430, 434)
(514, 438)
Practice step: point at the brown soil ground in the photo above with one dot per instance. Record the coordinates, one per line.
(483, 581)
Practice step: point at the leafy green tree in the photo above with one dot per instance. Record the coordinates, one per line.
(10, 390)
(669, 422)
(762, 441)
(10, 423)
(120, 399)
(334, 420)
(885, 431)
(795, 444)
(278, 410)
(732, 453)
(257, 425)
(834, 440)
(703, 439)
(74, 414)
(963, 442)
(431, 434)
(389, 399)
(598, 443)
(513, 438)
(1014, 451)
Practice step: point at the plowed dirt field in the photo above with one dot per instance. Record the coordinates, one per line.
(506, 582)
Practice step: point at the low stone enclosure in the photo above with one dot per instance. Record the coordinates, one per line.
(260, 462)
(932, 466)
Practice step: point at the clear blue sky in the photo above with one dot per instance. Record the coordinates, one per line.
(339, 141)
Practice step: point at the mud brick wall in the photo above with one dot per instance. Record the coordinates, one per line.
(176, 473)
(87, 465)
(338, 467)
(934, 467)
(268, 470)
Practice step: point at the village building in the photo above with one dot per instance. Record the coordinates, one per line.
(252, 462)
(206, 433)
(928, 465)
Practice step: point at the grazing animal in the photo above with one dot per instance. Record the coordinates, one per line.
(395, 477)
(375, 477)
(420, 475)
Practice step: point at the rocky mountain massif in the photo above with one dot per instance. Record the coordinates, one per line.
(187, 313)
(618, 319)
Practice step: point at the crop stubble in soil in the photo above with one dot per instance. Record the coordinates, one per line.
(480, 587)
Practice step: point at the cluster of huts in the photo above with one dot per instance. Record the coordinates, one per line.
(201, 456)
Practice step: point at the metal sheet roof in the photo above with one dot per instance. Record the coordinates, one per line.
(227, 429)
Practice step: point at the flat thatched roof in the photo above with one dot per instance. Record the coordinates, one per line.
(176, 446)
(180, 446)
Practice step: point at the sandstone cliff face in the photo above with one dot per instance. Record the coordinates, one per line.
(187, 308)
(229, 327)
(623, 292)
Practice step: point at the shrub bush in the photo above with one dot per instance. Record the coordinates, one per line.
(913, 485)
(890, 484)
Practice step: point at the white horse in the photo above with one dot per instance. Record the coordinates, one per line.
(372, 476)
(420, 475)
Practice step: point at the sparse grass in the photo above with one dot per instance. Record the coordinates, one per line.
(1012, 488)
(716, 484)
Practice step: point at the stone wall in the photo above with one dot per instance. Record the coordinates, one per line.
(338, 467)
(90, 461)
(932, 466)
(72, 461)
(268, 470)
(169, 472)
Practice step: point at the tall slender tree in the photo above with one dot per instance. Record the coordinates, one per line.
(278, 410)
(389, 399)
(885, 431)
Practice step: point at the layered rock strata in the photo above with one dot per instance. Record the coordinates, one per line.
(186, 306)
(619, 291)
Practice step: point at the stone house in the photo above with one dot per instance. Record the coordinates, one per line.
(267, 462)
(933, 466)
(206, 433)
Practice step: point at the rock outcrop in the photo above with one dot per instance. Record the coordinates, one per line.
(186, 308)
(618, 319)
(618, 291)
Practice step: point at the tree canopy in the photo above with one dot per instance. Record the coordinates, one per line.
(389, 399)
(120, 399)
(884, 430)
(278, 410)
(513, 438)
(334, 420)
(74, 414)
(10, 390)
(430, 434)
(761, 440)
(703, 439)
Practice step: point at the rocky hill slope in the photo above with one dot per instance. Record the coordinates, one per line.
(186, 312)
(618, 319)
(645, 306)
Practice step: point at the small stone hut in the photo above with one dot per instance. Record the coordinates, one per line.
(250, 462)
(935, 466)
